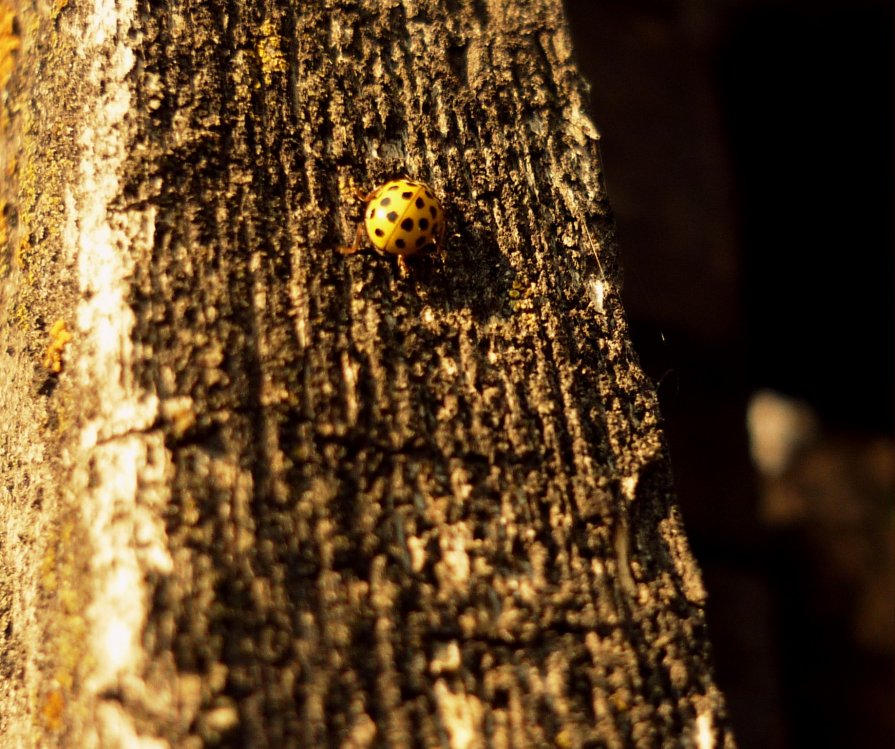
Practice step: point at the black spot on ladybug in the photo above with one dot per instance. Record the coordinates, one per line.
(419, 203)
(407, 224)
(372, 212)
(407, 195)
(399, 243)
(379, 233)
(393, 187)
(385, 201)
(392, 216)
(433, 211)
(424, 224)
(429, 194)
(420, 241)
(411, 182)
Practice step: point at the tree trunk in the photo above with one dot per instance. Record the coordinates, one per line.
(256, 493)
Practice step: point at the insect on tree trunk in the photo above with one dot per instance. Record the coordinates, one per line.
(257, 493)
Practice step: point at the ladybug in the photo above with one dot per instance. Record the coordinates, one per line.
(401, 218)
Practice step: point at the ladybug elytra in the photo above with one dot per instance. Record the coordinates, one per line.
(401, 218)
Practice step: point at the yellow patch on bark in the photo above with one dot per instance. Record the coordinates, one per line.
(60, 337)
(9, 43)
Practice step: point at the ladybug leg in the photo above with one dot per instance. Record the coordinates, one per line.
(358, 236)
(403, 268)
(348, 187)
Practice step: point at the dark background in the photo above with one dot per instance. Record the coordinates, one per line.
(748, 154)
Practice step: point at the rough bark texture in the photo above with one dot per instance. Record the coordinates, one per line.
(267, 495)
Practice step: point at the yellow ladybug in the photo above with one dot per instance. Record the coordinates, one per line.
(401, 218)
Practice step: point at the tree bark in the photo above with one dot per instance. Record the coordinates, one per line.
(255, 493)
